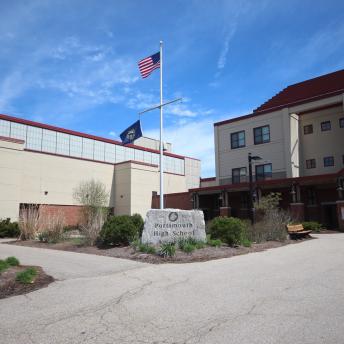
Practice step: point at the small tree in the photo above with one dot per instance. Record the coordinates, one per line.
(271, 220)
(93, 196)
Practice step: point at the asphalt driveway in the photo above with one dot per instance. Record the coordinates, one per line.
(292, 294)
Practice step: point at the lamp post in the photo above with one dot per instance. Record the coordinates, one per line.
(250, 158)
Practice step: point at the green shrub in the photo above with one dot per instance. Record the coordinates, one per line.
(312, 225)
(27, 276)
(9, 229)
(188, 248)
(246, 242)
(118, 230)
(138, 222)
(168, 249)
(214, 242)
(146, 248)
(3, 265)
(200, 244)
(12, 261)
(228, 229)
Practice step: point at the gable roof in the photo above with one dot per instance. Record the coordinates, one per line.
(325, 85)
(309, 90)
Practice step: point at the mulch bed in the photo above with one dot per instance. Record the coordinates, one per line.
(10, 287)
(127, 252)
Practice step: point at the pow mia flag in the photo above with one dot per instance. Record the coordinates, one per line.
(132, 133)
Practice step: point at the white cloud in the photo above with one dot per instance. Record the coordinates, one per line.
(221, 63)
(194, 139)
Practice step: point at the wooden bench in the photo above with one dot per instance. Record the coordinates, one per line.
(297, 231)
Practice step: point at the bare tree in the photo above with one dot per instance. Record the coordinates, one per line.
(93, 196)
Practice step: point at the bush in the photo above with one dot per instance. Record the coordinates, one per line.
(27, 276)
(3, 265)
(214, 242)
(188, 245)
(138, 222)
(12, 261)
(9, 229)
(312, 225)
(29, 223)
(146, 248)
(118, 230)
(94, 221)
(188, 248)
(228, 229)
(200, 244)
(168, 249)
(271, 227)
(52, 227)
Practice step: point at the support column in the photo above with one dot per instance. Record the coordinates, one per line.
(225, 209)
(340, 215)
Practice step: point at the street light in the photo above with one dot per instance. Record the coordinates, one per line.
(250, 158)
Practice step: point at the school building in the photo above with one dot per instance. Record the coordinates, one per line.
(298, 135)
(42, 165)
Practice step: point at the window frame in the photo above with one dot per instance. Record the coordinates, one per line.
(309, 164)
(240, 175)
(323, 126)
(238, 139)
(305, 127)
(265, 176)
(328, 158)
(341, 122)
(256, 142)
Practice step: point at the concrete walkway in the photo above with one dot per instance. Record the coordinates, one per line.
(293, 294)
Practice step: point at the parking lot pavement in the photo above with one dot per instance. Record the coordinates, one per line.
(292, 294)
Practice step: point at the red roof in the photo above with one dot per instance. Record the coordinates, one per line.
(317, 88)
(325, 85)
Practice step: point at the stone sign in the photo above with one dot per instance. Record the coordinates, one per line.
(169, 225)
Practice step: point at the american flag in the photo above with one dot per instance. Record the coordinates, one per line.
(148, 64)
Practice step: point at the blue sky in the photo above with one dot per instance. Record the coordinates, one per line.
(74, 63)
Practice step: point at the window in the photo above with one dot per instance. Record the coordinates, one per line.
(341, 122)
(263, 171)
(238, 139)
(325, 126)
(49, 141)
(328, 161)
(261, 134)
(238, 175)
(308, 129)
(34, 138)
(5, 128)
(310, 163)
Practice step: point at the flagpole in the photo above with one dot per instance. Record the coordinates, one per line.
(161, 138)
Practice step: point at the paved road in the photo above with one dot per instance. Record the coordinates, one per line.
(293, 294)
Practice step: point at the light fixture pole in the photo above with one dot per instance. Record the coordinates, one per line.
(250, 158)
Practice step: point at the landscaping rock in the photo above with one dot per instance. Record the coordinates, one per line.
(169, 225)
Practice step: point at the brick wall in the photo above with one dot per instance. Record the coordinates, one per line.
(72, 213)
(178, 201)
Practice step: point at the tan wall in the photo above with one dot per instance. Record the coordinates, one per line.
(148, 142)
(207, 183)
(26, 176)
(273, 152)
(289, 147)
(192, 173)
(322, 143)
(145, 180)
